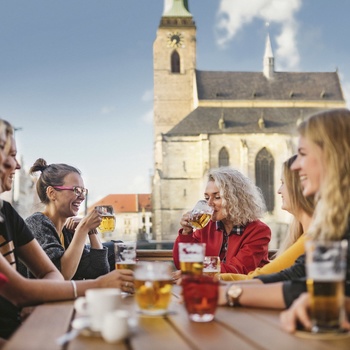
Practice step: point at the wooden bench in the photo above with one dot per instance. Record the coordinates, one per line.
(154, 255)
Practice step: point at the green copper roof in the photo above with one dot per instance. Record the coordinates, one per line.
(179, 8)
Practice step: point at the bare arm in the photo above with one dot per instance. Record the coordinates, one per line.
(256, 294)
(38, 262)
(71, 257)
(22, 291)
(299, 312)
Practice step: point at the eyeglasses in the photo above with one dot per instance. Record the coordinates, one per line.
(79, 191)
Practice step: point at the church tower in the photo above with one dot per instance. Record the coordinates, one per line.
(174, 63)
(175, 96)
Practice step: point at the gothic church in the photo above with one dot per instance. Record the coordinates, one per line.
(208, 119)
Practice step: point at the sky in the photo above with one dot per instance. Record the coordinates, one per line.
(76, 76)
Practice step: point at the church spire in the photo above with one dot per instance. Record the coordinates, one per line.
(269, 60)
(176, 8)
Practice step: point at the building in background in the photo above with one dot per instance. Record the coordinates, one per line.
(208, 119)
(133, 213)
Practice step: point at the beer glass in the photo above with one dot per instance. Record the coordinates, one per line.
(200, 214)
(200, 295)
(211, 265)
(153, 286)
(108, 219)
(191, 256)
(325, 270)
(125, 255)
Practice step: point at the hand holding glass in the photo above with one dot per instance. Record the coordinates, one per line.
(200, 214)
(108, 219)
(326, 268)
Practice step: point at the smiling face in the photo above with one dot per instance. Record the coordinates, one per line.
(3, 150)
(309, 166)
(212, 195)
(10, 166)
(283, 191)
(66, 201)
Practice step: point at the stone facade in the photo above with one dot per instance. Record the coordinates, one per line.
(197, 114)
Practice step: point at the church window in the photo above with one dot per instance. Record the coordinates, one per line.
(223, 157)
(175, 62)
(264, 176)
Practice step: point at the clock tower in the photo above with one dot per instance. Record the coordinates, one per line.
(175, 96)
(174, 62)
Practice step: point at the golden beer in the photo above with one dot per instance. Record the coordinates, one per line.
(125, 266)
(198, 221)
(190, 267)
(327, 301)
(153, 297)
(107, 224)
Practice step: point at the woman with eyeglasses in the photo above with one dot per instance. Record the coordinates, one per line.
(60, 188)
(18, 244)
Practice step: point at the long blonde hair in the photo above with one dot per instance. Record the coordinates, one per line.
(241, 199)
(330, 130)
(298, 202)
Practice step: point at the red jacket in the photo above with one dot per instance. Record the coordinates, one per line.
(244, 253)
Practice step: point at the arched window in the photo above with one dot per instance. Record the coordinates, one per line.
(223, 157)
(175, 62)
(264, 175)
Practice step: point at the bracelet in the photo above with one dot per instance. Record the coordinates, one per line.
(92, 232)
(74, 289)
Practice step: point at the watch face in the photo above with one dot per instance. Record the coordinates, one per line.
(175, 40)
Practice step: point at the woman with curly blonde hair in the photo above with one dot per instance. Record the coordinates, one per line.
(234, 232)
(302, 209)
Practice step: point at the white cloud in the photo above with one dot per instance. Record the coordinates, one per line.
(148, 117)
(147, 96)
(234, 15)
(107, 109)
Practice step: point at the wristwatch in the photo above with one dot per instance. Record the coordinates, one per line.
(233, 294)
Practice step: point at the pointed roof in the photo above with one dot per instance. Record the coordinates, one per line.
(178, 8)
(268, 47)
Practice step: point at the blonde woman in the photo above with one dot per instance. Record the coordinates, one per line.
(293, 246)
(234, 232)
(323, 166)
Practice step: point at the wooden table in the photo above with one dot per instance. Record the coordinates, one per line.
(238, 328)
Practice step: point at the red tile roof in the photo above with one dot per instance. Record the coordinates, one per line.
(126, 203)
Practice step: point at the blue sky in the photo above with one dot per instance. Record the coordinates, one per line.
(76, 75)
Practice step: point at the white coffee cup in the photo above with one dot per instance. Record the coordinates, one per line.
(97, 303)
(115, 326)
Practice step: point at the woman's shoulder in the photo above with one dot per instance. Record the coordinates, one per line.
(257, 224)
(36, 218)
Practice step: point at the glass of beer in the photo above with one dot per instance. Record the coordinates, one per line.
(125, 255)
(326, 268)
(211, 265)
(191, 256)
(200, 214)
(200, 295)
(153, 286)
(108, 219)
